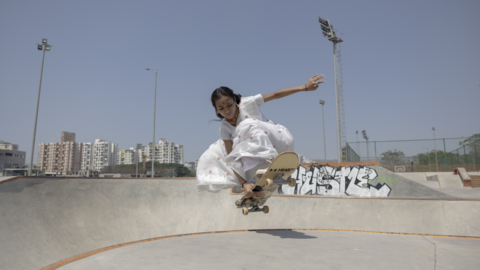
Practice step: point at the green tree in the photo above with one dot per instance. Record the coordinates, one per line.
(392, 158)
(472, 144)
(475, 138)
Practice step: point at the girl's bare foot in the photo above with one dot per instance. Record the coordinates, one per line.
(248, 189)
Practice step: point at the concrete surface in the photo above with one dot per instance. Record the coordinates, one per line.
(420, 178)
(46, 220)
(406, 188)
(290, 250)
(3, 178)
(414, 176)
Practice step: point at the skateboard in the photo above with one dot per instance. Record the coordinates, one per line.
(269, 180)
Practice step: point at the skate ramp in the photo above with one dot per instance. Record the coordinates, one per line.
(406, 188)
(47, 220)
(447, 179)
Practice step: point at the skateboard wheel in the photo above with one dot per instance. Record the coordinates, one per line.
(268, 183)
(293, 182)
(259, 173)
(245, 211)
(265, 209)
(238, 202)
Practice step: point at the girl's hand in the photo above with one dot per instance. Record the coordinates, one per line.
(313, 82)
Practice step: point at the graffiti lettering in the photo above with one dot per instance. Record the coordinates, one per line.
(330, 181)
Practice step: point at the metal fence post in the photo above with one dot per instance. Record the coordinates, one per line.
(375, 142)
(348, 152)
(476, 157)
(458, 158)
(465, 155)
(445, 152)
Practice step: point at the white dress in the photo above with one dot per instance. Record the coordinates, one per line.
(254, 142)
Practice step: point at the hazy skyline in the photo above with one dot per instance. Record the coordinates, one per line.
(408, 66)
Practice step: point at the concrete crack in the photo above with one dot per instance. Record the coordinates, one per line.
(444, 215)
(435, 253)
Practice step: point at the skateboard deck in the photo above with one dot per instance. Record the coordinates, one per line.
(277, 174)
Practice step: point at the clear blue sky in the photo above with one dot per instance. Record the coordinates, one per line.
(407, 66)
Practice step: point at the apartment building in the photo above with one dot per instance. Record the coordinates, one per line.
(126, 156)
(165, 152)
(62, 157)
(97, 155)
(87, 160)
(11, 156)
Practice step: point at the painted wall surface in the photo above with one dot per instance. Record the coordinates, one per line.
(337, 181)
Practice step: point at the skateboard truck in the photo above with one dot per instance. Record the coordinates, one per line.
(254, 203)
(268, 182)
(255, 208)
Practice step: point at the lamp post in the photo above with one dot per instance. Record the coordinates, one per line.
(428, 151)
(154, 113)
(323, 121)
(329, 33)
(366, 138)
(435, 143)
(41, 47)
(137, 152)
(358, 148)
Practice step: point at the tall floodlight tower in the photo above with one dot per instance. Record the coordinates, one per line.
(329, 32)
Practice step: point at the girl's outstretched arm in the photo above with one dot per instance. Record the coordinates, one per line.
(311, 85)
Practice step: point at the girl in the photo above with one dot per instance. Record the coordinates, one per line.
(249, 141)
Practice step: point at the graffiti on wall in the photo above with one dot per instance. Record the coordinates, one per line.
(337, 181)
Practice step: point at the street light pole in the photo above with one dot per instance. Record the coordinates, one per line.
(428, 151)
(324, 143)
(435, 143)
(366, 138)
(329, 33)
(41, 47)
(136, 162)
(154, 113)
(358, 148)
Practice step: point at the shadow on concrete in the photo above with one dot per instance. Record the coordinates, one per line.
(288, 234)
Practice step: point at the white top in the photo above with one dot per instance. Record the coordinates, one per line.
(248, 109)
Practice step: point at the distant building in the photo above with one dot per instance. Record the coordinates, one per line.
(196, 163)
(97, 155)
(303, 159)
(165, 152)
(189, 165)
(126, 156)
(10, 156)
(62, 157)
(87, 158)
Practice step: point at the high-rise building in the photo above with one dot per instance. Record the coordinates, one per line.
(62, 157)
(87, 160)
(126, 156)
(97, 155)
(165, 152)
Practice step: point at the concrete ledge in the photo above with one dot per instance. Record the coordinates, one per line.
(48, 220)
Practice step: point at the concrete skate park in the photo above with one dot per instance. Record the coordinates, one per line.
(361, 217)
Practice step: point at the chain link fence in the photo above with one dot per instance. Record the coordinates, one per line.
(427, 155)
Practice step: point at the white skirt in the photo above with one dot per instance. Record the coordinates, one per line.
(254, 142)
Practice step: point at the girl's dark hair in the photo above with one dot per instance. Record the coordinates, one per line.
(224, 91)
